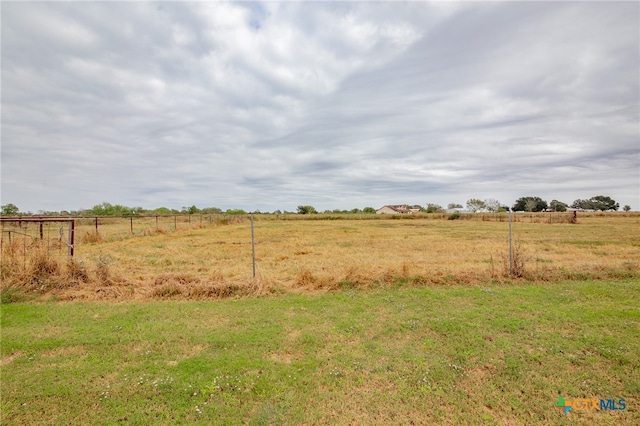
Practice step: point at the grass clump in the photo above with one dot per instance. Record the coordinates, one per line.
(454, 216)
(91, 237)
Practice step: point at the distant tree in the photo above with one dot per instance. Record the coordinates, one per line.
(475, 205)
(235, 211)
(558, 206)
(434, 208)
(307, 210)
(581, 204)
(626, 207)
(211, 210)
(368, 210)
(193, 210)
(452, 206)
(356, 211)
(599, 202)
(108, 209)
(161, 210)
(492, 205)
(530, 204)
(604, 203)
(9, 210)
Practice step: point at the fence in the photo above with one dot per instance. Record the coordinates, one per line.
(26, 232)
(26, 241)
(110, 228)
(59, 236)
(313, 249)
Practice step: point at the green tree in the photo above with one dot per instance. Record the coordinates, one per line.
(235, 211)
(558, 206)
(161, 210)
(369, 210)
(626, 207)
(9, 210)
(211, 210)
(529, 204)
(452, 206)
(434, 208)
(604, 203)
(108, 209)
(599, 202)
(193, 210)
(475, 205)
(307, 210)
(492, 205)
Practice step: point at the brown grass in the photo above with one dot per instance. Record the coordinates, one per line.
(214, 261)
(91, 237)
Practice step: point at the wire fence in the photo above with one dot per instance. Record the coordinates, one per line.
(58, 237)
(110, 228)
(316, 252)
(20, 236)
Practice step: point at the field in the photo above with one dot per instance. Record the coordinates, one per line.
(215, 260)
(380, 321)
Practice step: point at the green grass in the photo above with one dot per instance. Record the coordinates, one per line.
(456, 355)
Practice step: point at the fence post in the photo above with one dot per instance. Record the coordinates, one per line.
(131, 221)
(72, 225)
(41, 233)
(96, 224)
(175, 223)
(510, 247)
(253, 248)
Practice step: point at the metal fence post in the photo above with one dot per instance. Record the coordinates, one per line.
(510, 247)
(253, 248)
(72, 225)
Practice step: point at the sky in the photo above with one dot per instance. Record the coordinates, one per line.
(339, 105)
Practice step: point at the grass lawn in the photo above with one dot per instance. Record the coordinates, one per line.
(499, 354)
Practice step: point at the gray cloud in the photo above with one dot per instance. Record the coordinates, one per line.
(340, 105)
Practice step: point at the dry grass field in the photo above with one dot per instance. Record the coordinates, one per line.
(213, 258)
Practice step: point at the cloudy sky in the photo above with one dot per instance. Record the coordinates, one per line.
(266, 106)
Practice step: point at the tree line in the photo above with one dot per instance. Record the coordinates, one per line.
(524, 204)
(537, 204)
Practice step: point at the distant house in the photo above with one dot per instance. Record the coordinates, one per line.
(397, 209)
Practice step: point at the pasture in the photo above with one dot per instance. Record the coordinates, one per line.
(395, 321)
(202, 260)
